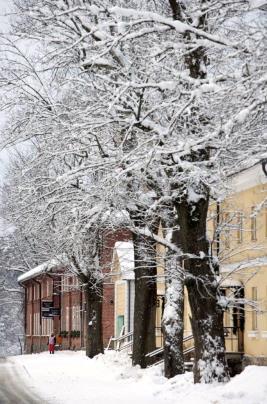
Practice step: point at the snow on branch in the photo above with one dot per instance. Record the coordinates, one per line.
(178, 26)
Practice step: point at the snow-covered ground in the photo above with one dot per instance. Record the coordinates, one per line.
(69, 377)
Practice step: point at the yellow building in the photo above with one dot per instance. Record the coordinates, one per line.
(237, 229)
(238, 234)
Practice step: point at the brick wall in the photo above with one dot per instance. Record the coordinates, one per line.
(108, 313)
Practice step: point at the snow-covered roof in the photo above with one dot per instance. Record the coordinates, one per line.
(47, 266)
(248, 178)
(125, 252)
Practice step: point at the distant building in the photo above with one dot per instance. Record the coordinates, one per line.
(55, 302)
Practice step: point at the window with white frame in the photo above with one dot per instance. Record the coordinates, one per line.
(76, 320)
(36, 324)
(67, 318)
(239, 227)
(47, 326)
(253, 224)
(70, 282)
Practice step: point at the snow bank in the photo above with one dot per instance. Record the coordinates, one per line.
(69, 377)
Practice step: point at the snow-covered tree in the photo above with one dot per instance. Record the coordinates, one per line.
(172, 96)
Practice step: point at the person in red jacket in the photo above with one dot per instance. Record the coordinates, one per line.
(51, 344)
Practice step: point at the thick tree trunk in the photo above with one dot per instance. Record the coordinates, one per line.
(145, 299)
(173, 317)
(173, 323)
(207, 315)
(94, 340)
(207, 327)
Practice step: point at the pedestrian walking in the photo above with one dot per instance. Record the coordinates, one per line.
(51, 344)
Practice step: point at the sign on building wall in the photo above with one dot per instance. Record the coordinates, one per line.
(46, 305)
(48, 310)
(55, 311)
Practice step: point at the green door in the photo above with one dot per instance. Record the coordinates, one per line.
(120, 324)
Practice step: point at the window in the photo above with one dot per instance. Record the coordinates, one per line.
(76, 320)
(254, 312)
(49, 287)
(44, 326)
(36, 324)
(67, 318)
(68, 283)
(253, 224)
(227, 230)
(47, 326)
(239, 227)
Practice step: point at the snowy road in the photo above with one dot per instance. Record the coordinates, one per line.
(12, 390)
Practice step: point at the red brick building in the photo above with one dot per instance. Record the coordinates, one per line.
(55, 303)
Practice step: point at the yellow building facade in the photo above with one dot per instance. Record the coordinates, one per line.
(238, 233)
(237, 230)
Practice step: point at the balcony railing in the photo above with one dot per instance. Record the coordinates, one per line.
(233, 341)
